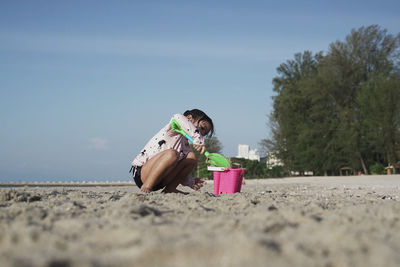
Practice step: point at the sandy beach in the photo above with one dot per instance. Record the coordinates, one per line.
(306, 221)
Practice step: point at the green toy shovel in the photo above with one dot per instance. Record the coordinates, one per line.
(214, 159)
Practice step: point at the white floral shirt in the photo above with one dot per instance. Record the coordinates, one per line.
(167, 138)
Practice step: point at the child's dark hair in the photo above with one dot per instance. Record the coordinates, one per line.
(199, 115)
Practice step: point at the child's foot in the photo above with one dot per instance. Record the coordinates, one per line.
(145, 189)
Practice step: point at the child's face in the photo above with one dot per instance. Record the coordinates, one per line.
(204, 127)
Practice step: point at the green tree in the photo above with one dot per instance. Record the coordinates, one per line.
(368, 53)
(291, 132)
(254, 168)
(339, 109)
(380, 119)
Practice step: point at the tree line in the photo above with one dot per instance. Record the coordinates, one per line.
(254, 168)
(340, 108)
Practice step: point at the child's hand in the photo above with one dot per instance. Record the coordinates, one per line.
(200, 148)
(198, 183)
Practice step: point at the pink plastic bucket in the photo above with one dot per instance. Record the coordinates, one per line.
(228, 181)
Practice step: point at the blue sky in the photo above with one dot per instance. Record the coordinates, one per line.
(85, 84)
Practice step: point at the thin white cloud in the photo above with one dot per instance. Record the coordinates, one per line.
(234, 49)
(98, 143)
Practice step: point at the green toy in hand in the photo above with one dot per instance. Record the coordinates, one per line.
(213, 159)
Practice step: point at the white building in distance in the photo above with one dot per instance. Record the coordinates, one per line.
(245, 152)
(272, 160)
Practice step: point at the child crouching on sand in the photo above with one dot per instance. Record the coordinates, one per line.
(167, 159)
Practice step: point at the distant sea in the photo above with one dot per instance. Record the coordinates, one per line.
(5, 180)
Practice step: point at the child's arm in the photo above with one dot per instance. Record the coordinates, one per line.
(189, 128)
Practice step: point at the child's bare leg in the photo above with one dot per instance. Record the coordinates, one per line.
(160, 166)
(175, 177)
